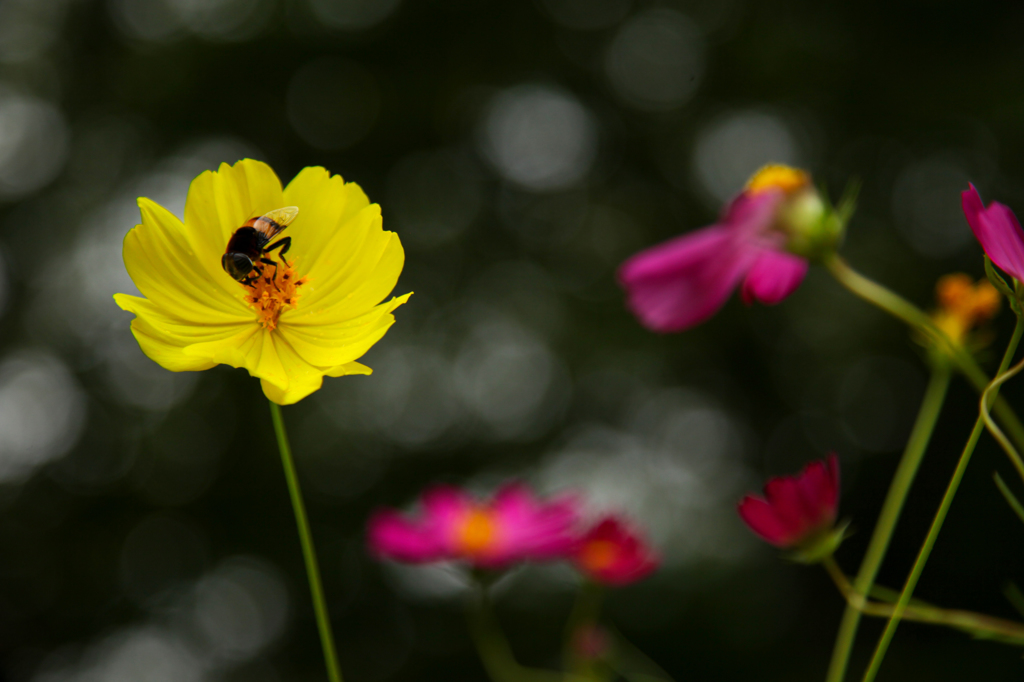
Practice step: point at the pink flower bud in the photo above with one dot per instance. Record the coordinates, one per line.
(796, 510)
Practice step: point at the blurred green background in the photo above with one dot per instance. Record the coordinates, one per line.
(521, 150)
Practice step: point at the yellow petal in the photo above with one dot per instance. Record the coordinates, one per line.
(303, 378)
(168, 356)
(237, 350)
(348, 368)
(169, 337)
(359, 268)
(220, 202)
(366, 286)
(331, 345)
(326, 205)
(165, 270)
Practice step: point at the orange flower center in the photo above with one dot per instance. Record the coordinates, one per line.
(597, 555)
(477, 532)
(275, 291)
(777, 176)
(963, 304)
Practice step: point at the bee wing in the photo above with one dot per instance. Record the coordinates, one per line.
(272, 222)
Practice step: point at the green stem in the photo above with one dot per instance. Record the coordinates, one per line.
(976, 624)
(986, 397)
(940, 515)
(1010, 498)
(495, 652)
(927, 416)
(585, 613)
(323, 620)
(1001, 407)
(902, 309)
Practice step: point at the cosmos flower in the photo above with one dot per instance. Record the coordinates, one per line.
(682, 282)
(310, 316)
(963, 305)
(613, 554)
(997, 229)
(512, 526)
(795, 510)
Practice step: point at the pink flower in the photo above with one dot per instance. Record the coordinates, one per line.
(998, 231)
(795, 509)
(613, 554)
(512, 526)
(682, 282)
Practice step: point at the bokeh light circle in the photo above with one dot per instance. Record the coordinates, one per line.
(656, 60)
(540, 137)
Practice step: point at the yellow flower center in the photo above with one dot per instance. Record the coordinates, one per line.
(477, 532)
(777, 176)
(598, 555)
(963, 305)
(275, 291)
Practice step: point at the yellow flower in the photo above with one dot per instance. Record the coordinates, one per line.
(314, 314)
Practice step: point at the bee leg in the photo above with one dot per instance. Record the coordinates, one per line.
(252, 278)
(284, 244)
(274, 263)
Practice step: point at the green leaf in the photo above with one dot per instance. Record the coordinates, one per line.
(848, 202)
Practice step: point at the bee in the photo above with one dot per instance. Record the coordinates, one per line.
(250, 245)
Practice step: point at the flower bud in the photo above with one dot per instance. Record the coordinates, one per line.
(799, 512)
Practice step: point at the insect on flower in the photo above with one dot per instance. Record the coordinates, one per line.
(324, 307)
(248, 247)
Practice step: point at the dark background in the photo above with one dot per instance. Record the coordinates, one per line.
(521, 151)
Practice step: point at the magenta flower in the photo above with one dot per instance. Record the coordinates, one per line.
(998, 231)
(512, 526)
(613, 554)
(795, 510)
(682, 282)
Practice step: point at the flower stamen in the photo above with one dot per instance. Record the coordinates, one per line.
(477, 532)
(273, 292)
(780, 177)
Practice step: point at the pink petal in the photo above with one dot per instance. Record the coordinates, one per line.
(998, 231)
(682, 282)
(795, 507)
(762, 519)
(786, 498)
(390, 535)
(444, 508)
(773, 277)
(749, 215)
(532, 529)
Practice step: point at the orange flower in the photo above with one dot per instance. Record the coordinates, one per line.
(964, 305)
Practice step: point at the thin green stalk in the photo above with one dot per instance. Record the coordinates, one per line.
(947, 501)
(585, 613)
(495, 652)
(904, 310)
(323, 620)
(977, 624)
(993, 428)
(1010, 498)
(924, 425)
